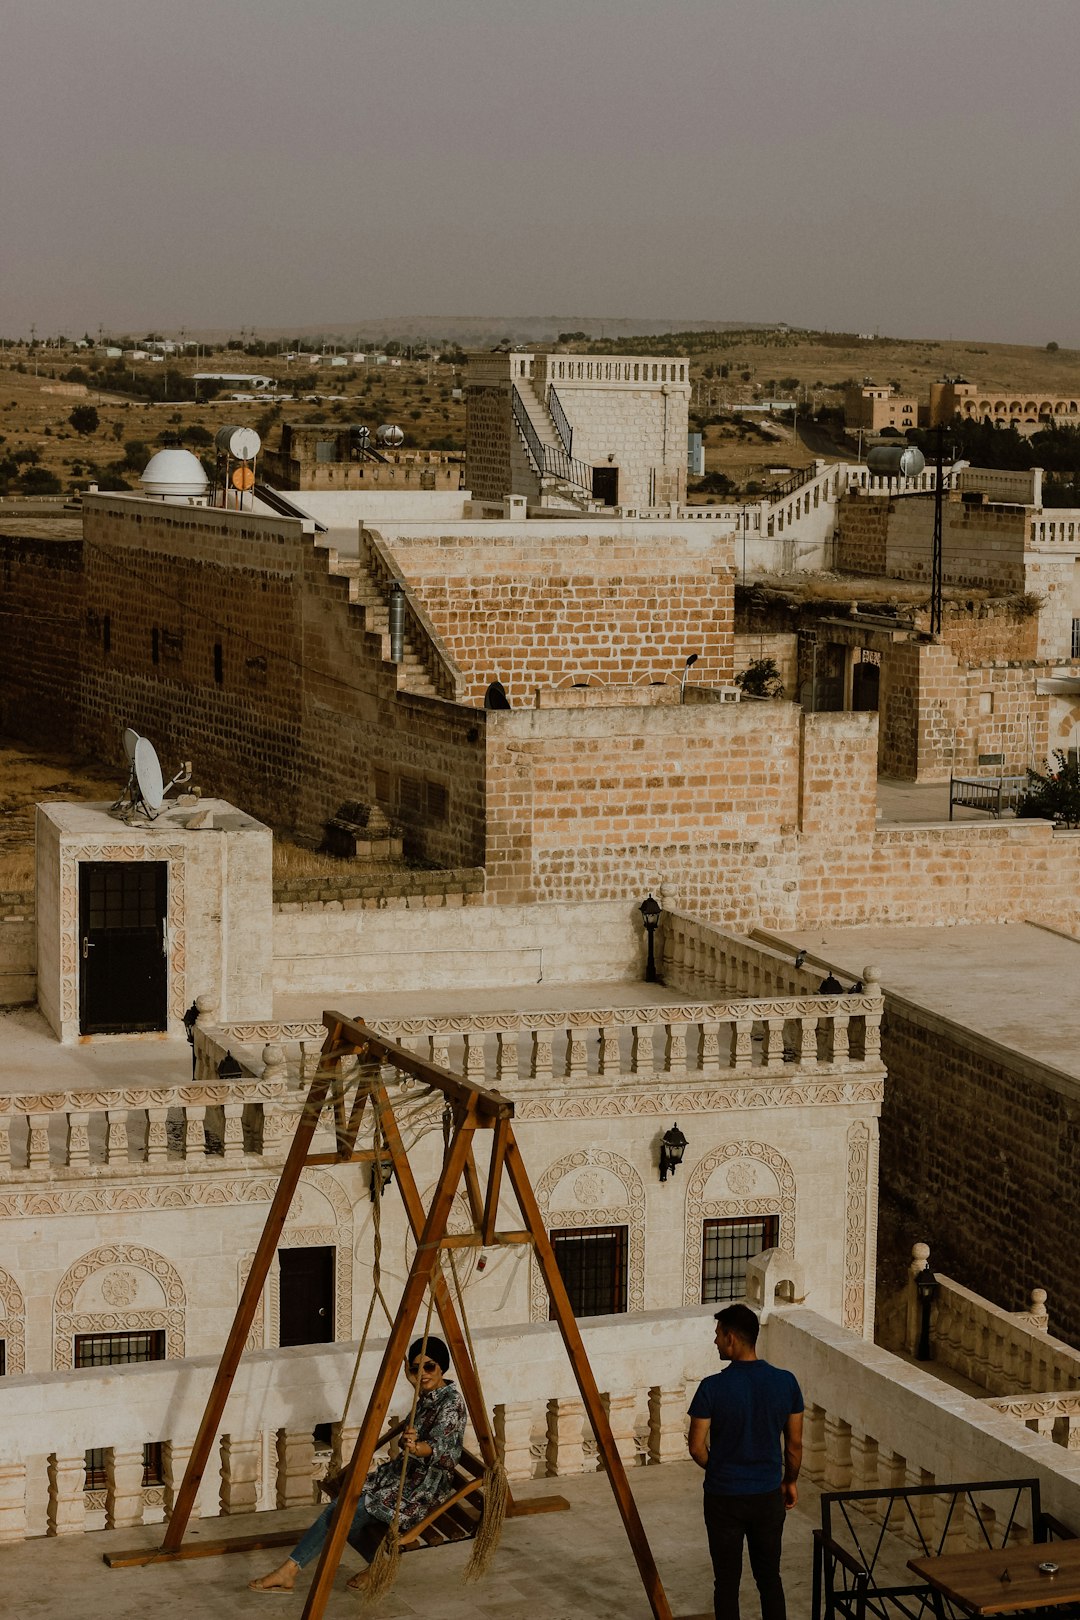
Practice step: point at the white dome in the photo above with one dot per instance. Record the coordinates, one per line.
(174, 473)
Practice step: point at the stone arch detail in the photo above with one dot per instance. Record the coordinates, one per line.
(266, 1323)
(1067, 724)
(700, 1209)
(120, 1291)
(628, 1212)
(12, 1322)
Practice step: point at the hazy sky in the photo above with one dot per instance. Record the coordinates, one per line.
(902, 165)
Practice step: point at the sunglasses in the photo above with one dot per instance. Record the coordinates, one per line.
(424, 1367)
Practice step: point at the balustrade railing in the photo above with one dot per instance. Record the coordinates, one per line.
(549, 460)
(562, 426)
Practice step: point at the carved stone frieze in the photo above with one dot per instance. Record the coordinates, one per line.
(629, 1212)
(720, 1097)
(859, 1145)
(12, 1323)
(130, 1258)
(735, 1156)
(690, 1012)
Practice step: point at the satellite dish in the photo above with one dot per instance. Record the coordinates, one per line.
(390, 434)
(148, 777)
(131, 738)
(361, 436)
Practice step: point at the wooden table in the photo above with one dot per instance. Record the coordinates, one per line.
(973, 1579)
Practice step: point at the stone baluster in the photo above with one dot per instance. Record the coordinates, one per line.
(540, 1055)
(923, 1508)
(474, 1058)
(123, 1487)
(506, 1055)
(37, 1142)
(707, 1054)
(774, 1046)
(269, 1128)
(234, 1132)
(814, 1440)
(864, 1462)
(513, 1439)
(577, 1053)
(673, 956)
(174, 1461)
(839, 1047)
(667, 1423)
(837, 1475)
(674, 1048)
(194, 1131)
(565, 1437)
(116, 1137)
(239, 1474)
(622, 1416)
(295, 1469)
(12, 1501)
(5, 1147)
(808, 1041)
(742, 1054)
(77, 1152)
(440, 1048)
(66, 1513)
(641, 1049)
(157, 1141)
(609, 1058)
(343, 1438)
(1039, 1314)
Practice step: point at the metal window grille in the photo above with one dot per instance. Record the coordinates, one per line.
(726, 1247)
(117, 1350)
(1076, 638)
(122, 894)
(592, 1261)
(3, 1357)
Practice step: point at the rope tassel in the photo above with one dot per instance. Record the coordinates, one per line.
(382, 1572)
(489, 1533)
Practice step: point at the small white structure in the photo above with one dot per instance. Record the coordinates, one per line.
(174, 474)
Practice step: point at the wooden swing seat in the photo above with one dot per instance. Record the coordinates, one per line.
(455, 1518)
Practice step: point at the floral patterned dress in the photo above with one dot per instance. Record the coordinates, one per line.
(440, 1424)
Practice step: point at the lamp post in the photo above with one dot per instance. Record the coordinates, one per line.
(673, 1145)
(927, 1285)
(650, 916)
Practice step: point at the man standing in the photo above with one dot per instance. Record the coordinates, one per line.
(737, 1420)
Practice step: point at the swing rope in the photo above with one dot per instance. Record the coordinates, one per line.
(496, 1489)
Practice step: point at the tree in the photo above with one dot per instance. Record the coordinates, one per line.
(85, 419)
(761, 678)
(1051, 348)
(1054, 795)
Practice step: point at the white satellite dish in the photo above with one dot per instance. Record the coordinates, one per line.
(131, 739)
(148, 777)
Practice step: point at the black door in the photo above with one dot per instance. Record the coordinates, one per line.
(865, 679)
(605, 485)
(306, 1312)
(124, 965)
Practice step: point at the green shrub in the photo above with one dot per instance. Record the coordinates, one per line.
(1054, 794)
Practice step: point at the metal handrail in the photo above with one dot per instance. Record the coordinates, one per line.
(562, 426)
(549, 460)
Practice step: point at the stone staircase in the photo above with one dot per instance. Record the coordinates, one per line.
(412, 671)
(562, 479)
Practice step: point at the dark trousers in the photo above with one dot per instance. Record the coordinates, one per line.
(759, 1520)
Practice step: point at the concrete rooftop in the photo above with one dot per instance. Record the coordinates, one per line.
(1015, 983)
(559, 1566)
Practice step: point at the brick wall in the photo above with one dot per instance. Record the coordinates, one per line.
(782, 647)
(862, 524)
(992, 1194)
(622, 602)
(488, 425)
(306, 713)
(980, 545)
(41, 608)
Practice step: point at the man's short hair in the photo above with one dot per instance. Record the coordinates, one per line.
(740, 1320)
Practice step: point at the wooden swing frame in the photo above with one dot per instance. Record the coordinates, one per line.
(474, 1108)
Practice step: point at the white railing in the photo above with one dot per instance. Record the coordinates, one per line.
(646, 1366)
(1060, 532)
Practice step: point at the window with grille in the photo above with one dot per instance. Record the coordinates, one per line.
(592, 1262)
(1076, 638)
(3, 1357)
(410, 795)
(726, 1247)
(118, 1350)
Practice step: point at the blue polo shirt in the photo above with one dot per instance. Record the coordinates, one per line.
(747, 1406)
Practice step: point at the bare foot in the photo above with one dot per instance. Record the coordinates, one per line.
(359, 1582)
(281, 1579)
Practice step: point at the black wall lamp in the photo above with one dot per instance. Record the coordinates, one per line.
(191, 1018)
(927, 1286)
(650, 916)
(228, 1068)
(673, 1145)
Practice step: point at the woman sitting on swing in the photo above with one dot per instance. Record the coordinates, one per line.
(433, 1446)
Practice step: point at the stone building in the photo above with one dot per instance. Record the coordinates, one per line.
(871, 408)
(318, 455)
(566, 430)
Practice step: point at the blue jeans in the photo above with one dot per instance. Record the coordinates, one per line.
(310, 1544)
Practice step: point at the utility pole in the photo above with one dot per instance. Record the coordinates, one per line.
(935, 560)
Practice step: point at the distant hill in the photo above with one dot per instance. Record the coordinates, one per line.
(481, 331)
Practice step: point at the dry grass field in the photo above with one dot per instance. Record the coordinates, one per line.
(729, 369)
